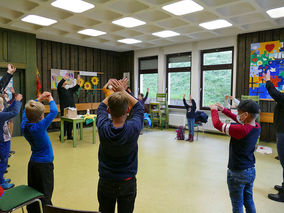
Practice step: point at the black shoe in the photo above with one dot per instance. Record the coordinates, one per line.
(277, 197)
(70, 138)
(277, 158)
(8, 166)
(278, 188)
(5, 172)
(12, 152)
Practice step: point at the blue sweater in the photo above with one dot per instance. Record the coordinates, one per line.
(36, 135)
(190, 110)
(6, 115)
(118, 146)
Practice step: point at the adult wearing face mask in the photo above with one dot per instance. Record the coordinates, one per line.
(66, 99)
(279, 124)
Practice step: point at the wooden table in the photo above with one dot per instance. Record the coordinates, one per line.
(76, 121)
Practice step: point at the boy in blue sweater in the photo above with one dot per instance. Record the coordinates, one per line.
(118, 150)
(244, 136)
(40, 168)
(5, 136)
(190, 115)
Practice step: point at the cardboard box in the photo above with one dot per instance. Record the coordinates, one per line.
(70, 112)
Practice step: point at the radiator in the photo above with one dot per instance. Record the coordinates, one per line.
(177, 120)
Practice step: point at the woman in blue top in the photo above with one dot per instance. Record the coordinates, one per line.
(190, 115)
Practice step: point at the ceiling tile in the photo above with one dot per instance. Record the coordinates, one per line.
(18, 5)
(250, 18)
(66, 27)
(4, 20)
(202, 35)
(199, 17)
(149, 28)
(102, 14)
(82, 21)
(270, 4)
(188, 29)
(229, 31)
(172, 23)
(52, 31)
(145, 37)
(108, 28)
(127, 33)
(52, 12)
(25, 26)
(157, 2)
(152, 15)
(264, 25)
(235, 9)
(215, 3)
(161, 42)
(10, 14)
(127, 6)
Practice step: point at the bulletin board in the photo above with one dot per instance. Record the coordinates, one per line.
(263, 57)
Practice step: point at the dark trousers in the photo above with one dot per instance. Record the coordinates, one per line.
(122, 192)
(68, 127)
(280, 150)
(41, 178)
(4, 155)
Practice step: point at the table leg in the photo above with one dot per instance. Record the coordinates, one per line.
(62, 131)
(74, 134)
(81, 130)
(94, 132)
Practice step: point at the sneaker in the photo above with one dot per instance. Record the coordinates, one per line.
(6, 186)
(8, 180)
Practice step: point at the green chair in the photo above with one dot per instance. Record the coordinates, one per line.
(18, 197)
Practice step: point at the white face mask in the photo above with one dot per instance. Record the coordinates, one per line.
(239, 118)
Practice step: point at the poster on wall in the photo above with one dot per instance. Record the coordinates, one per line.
(263, 57)
(57, 75)
(8, 90)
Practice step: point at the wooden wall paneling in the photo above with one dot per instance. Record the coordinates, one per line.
(3, 46)
(17, 47)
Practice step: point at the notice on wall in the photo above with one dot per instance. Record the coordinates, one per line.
(57, 75)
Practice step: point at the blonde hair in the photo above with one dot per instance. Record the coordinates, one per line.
(34, 111)
(118, 104)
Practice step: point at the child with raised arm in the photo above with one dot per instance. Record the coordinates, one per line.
(118, 149)
(5, 136)
(7, 77)
(244, 136)
(190, 115)
(34, 127)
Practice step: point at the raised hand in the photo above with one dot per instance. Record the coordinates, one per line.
(124, 82)
(267, 76)
(147, 89)
(220, 106)
(190, 97)
(12, 90)
(11, 69)
(78, 79)
(18, 97)
(44, 96)
(213, 107)
(117, 86)
(66, 76)
(184, 96)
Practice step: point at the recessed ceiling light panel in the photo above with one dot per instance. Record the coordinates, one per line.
(216, 24)
(166, 34)
(276, 12)
(129, 41)
(75, 6)
(183, 7)
(129, 22)
(91, 32)
(39, 20)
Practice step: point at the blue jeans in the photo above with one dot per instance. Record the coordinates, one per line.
(190, 122)
(280, 150)
(240, 184)
(4, 155)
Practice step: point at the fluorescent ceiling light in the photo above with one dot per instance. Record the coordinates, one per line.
(129, 22)
(91, 32)
(166, 34)
(217, 24)
(129, 41)
(76, 6)
(183, 7)
(39, 20)
(276, 12)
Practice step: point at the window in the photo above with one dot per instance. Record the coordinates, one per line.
(148, 76)
(216, 75)
(178, 78)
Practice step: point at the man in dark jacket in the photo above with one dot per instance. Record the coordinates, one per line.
(279, 124)
(66, 99)
(7, 77)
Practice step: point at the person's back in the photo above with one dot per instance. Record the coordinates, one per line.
(34, 127)
(118, 150)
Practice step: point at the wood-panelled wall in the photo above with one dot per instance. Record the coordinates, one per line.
(55, 55)
(243, 69)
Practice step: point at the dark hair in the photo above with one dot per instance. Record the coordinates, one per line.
(118, 104)
(142, 95)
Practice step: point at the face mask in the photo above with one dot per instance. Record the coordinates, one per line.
(239, 119)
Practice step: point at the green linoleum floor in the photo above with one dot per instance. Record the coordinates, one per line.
(173, 176)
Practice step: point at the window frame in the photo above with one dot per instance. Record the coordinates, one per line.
(208, 68)
(177, 69)
(148, 71)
